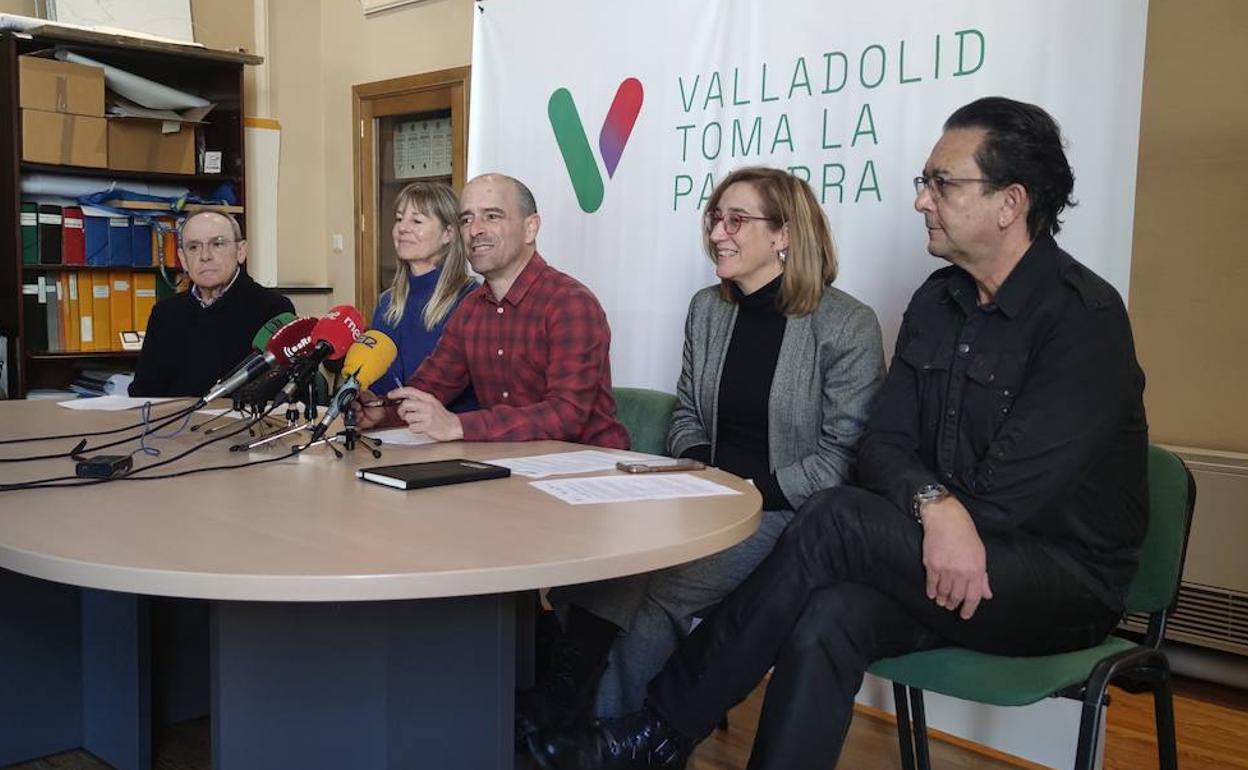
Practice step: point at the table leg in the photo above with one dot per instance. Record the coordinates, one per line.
(365, 685)
(74, 673)
(116, 679)
(40, 668)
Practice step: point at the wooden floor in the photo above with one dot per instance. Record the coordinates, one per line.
(1211, 723)
(1212, 729)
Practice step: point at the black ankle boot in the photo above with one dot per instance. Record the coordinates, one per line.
(564, 693)
(638, 741)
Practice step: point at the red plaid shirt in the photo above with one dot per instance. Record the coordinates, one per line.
(538, 360)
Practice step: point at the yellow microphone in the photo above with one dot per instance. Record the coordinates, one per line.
(367, 359)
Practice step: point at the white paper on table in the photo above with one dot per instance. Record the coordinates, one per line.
(399, 437)
(110, 403)
(623, 489)
(214, 412)
(582, 461)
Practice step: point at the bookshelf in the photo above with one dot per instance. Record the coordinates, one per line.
(214, 75)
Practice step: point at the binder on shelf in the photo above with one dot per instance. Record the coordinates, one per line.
(52, 308)
(49, 234)
(30, 233)
(34, 316)
(140, 243)
(119, 241)
(165, 243)
(95, 238)
(101, 311)
(144, 299)
(71, 326)
(72, 237)
(86, 312)
(121, 304)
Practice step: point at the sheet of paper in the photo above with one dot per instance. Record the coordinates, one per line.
(109, 403)
(622, 489)
(399, 437)
(583, 461)
(212, 412)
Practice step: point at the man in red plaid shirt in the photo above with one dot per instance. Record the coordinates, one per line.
(532, 342)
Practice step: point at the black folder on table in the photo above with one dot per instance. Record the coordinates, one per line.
(435, 473)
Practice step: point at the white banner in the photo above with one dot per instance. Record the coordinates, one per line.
(621, 116)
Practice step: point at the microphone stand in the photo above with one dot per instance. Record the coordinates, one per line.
(350, 437)
(292, 425)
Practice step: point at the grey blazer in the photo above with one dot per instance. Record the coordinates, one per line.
(831, 363)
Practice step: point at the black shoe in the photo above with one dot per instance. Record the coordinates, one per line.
(564, 694)
(638, 741)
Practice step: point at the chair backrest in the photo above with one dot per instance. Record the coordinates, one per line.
(646, 414)
(1171, 498)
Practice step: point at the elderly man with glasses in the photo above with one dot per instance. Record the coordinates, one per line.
(195, 337)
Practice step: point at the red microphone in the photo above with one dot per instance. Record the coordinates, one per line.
(272, 355)
(291, 341)
(330, 337)
(334, 334)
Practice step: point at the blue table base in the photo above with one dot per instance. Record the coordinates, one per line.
(74, 673)
(364, 685)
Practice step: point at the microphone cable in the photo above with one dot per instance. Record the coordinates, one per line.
(81, 447)
(78, 481)
(199, 403)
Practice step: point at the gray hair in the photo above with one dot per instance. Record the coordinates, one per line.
(234, 225)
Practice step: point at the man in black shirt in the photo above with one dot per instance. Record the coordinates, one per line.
(1003, 492)
(196, 337)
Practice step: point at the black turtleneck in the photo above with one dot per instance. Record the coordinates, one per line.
(745, 393)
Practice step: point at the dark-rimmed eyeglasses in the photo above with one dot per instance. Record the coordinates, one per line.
(216, 246)
(938, 185)
(732, 221)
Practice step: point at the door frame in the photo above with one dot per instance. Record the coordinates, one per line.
(443, 89)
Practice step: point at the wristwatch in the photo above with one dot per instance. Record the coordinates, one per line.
(928, 493)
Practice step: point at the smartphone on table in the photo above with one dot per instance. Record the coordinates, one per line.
(660, 465)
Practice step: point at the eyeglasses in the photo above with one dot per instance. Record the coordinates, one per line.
(732, 221)
(216, 246)
(938, 185)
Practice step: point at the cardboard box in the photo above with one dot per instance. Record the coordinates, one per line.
(75, 140)
(141, 145)
(55, 86)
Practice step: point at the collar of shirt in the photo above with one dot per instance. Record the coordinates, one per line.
(1040, 263)
(195, 290)
(520, 287)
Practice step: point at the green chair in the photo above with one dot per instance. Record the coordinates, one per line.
(646, 414)
(1084, 674)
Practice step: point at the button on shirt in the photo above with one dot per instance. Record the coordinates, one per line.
(538, 359)
(1029, 409)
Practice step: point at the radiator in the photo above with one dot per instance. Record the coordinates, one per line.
(1212, 611)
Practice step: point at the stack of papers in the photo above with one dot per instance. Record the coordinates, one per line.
(399, 437)
(623, 489)
(109, 403)
(584, 461)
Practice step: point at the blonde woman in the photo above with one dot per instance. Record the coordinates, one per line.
(431, 280)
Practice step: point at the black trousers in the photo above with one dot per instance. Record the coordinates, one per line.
(845, 586)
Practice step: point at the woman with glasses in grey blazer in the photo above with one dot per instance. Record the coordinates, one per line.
(778, 373)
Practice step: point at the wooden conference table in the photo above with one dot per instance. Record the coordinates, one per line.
(352, 625)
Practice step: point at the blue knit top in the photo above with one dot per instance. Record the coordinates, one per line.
(413, 340)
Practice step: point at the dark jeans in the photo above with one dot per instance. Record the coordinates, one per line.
(845, 586)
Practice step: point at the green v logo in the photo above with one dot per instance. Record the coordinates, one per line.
(573, 143)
